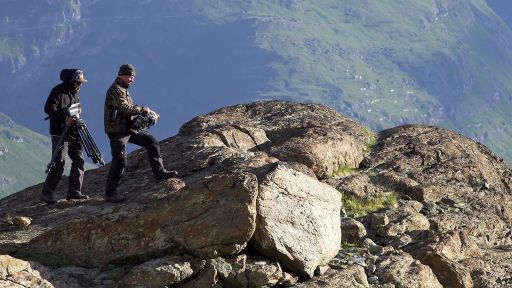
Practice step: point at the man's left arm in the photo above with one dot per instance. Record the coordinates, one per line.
(118, 100)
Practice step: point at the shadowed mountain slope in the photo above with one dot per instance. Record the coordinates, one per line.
(23, 156)
(384, 64)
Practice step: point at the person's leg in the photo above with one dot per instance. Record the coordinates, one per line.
(117, 166)
(153, 151)
(76, 175)
(55, 173)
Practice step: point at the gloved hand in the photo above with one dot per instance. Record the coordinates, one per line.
(145, 110)
(69, 121)
(142, 110)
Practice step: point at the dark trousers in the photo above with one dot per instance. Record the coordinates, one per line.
(118, 149)
(73, 148)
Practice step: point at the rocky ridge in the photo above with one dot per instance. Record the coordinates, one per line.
(261, 202)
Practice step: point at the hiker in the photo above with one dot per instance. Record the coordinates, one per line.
(59, 101)
(118, 113)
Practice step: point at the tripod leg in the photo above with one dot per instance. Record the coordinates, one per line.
(89, 145)
(85, 141)
(94, 148)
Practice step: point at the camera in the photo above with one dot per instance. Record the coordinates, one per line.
(142, 121)
(74, 110)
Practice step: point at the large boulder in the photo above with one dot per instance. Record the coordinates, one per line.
(310, 134)
(18, 273)
(298, 220)
(195, 218)
(158, 273)
(470, 184)
(402, 270)
(444, 254)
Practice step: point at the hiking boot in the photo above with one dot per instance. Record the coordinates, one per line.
(165, 174)
(48, 198)
(77, 196)
(114, 198)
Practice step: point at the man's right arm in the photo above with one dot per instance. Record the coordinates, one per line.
(52, 107)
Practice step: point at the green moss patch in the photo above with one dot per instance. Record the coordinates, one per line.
(357, 207)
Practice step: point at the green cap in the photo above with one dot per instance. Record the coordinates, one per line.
(127, 69)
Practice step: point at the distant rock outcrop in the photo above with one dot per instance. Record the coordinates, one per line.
(6, 181)
(3, 150)
(258, 204)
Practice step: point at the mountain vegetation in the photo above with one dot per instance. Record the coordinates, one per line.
(384, 63)
(23, 156)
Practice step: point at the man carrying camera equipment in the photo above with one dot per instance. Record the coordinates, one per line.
(119, 116)
(57, 107)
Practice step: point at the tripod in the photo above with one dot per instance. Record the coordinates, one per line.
(88, 143)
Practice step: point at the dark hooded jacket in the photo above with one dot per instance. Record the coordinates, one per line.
(61, 97)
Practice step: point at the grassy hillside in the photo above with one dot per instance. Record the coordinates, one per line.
(23, 156)
(385, 63)
(392, 62)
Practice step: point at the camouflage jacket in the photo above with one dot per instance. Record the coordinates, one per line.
(119, 109)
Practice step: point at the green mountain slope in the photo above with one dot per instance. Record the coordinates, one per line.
(385, 63)
(392, 62)
(23, 156)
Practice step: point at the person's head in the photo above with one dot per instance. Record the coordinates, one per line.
(77, 79)
(127, 73)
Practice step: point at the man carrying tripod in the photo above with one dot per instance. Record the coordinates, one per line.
(118, 114)
(60, 99)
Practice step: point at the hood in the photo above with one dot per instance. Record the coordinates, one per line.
(66, 74)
